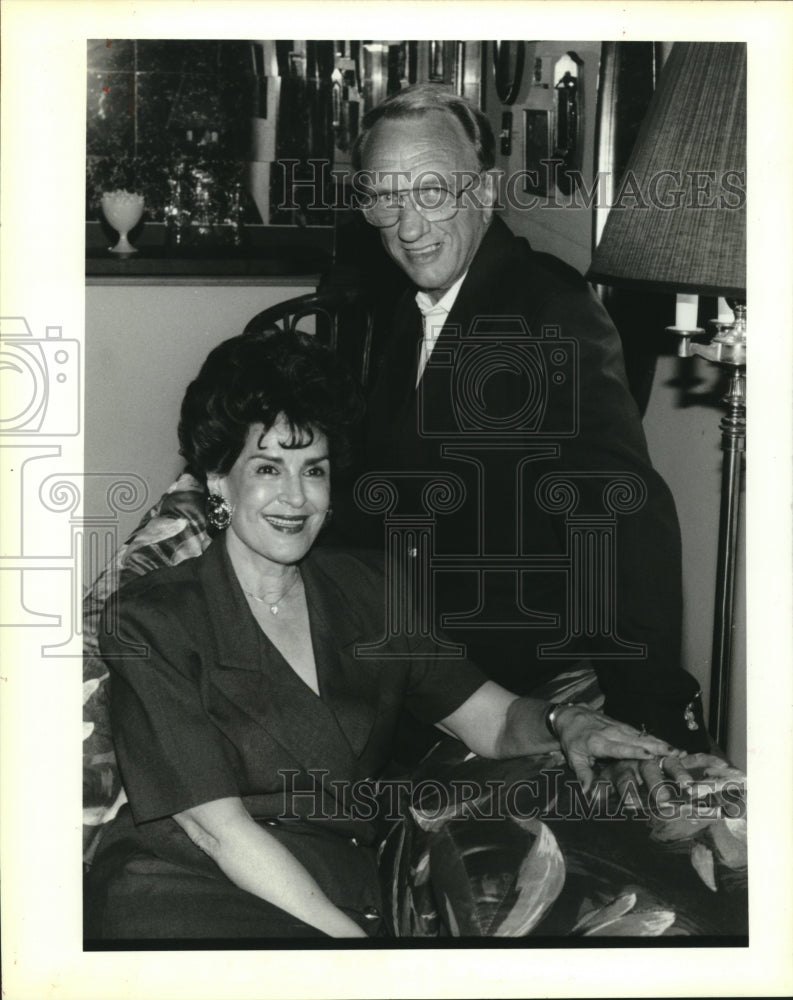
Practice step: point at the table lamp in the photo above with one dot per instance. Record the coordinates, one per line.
(678, 224)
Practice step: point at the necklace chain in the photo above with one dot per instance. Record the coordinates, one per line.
(272, 606)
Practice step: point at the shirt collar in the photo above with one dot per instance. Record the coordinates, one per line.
(444, 304)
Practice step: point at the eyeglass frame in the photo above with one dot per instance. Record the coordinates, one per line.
(403, 194)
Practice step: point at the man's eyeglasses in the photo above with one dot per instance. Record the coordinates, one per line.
(435, 202)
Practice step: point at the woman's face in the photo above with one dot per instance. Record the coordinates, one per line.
(280, 495)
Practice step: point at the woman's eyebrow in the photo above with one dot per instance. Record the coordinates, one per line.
(279, 460)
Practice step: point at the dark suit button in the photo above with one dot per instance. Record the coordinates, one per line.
(371, 913)
(271, 822)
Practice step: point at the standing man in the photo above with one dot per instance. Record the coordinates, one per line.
(505, 373)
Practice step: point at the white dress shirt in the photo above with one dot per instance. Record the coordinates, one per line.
(433, 316)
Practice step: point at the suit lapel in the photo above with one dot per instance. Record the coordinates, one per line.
(432, 406)
(480, 296)
(395, 386)
(479, 292)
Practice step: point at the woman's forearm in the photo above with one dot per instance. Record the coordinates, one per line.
(258, 863)
(255, 861)
(495, 723)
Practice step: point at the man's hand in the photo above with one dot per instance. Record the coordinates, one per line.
(587, 735)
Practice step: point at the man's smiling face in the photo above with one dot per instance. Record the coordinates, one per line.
(433, 254)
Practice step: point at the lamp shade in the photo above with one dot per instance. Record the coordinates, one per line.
(678, 219)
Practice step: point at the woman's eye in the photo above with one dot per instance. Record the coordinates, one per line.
(316, 471)
(266, 470)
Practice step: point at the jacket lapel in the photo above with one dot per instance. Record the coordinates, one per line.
(435, 403)
(476, 295)
(349, 686)
(234, 629)
(323, 733)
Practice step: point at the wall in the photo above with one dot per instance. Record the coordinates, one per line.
(143, 344)
(550, 226)
(682, 427)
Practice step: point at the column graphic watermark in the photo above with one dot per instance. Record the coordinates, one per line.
(503, 401)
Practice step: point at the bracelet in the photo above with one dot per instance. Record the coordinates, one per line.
(552, 712)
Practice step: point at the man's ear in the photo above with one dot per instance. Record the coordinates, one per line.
(489, 193)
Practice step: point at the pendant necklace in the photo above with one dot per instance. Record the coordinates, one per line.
(273, 607)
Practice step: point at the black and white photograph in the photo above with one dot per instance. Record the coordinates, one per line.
(379, 474)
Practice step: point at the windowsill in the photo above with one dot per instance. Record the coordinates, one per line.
(268, 255)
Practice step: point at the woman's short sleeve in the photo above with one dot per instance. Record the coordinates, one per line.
(440, 684)
(171, 756)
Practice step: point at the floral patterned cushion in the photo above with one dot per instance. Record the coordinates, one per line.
(506, 849)
(173, 530)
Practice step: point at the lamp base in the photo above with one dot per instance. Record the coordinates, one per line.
(727, 348)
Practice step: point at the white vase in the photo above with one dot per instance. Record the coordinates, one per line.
(123, 211)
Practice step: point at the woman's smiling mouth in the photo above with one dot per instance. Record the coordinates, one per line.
(289, 524)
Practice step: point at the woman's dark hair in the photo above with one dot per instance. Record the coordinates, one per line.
(254, 378)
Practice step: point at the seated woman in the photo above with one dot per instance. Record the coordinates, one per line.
(249, 729)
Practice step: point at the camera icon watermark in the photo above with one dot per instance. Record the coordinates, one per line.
(51, 544)
(498, 379)
(40, 384)
(498, 404)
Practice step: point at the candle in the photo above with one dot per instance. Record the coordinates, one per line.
(726, 315)
(686, 312)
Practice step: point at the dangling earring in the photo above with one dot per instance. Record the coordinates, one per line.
(328, 516)
(219, 511)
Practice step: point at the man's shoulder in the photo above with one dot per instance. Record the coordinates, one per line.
(520, 262)
(556, 271)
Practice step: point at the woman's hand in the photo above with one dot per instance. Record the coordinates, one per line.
(696, 775)
(587, 735)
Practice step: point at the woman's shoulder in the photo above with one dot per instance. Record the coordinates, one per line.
(167, 587)
(165, 608)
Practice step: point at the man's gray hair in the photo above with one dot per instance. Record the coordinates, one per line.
(416, 101)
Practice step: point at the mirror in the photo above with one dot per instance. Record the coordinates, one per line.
(508, 59)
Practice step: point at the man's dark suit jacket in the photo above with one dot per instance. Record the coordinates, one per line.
(529, 367)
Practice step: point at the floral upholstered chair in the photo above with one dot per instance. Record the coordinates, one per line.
(477, 848)
(173, 530)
